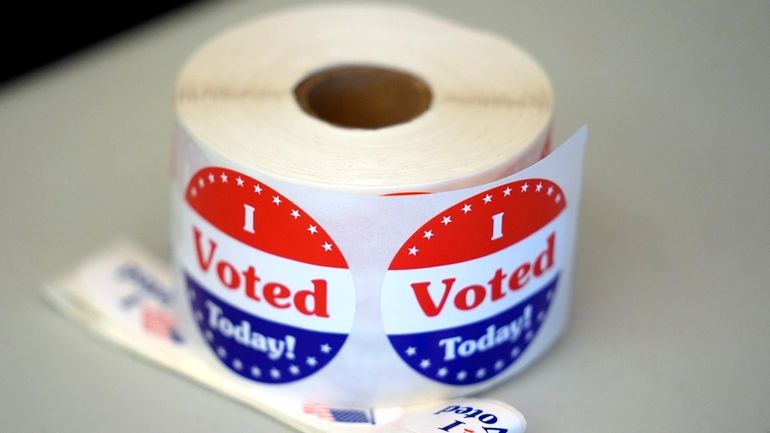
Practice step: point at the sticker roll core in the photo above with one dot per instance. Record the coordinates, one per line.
(344, 225)
(366, 97)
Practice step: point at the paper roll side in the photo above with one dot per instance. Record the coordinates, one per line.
(490, 114)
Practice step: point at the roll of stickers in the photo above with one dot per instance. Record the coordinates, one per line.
(351, 222)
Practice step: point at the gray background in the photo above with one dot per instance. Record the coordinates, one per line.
(671, 318)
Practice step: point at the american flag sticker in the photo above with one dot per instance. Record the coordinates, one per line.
(159, 322)
(359, 416)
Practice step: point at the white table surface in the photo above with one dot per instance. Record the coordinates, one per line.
(671, 318)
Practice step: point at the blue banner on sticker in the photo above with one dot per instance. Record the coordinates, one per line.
(476, 352)
(258, 349)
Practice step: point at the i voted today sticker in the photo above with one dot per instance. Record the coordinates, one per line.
(462, 416)
(467, 293)
(270, 291)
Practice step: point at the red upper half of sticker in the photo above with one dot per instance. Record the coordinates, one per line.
(483, 224)
(258, 216)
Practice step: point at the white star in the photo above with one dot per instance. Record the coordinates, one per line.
(461, 375)
(549, 295)
(524, 187)
(466, 208)
(311, 361)
(221, 352)
(540, 316)
(327, 246)
(193, 191)
(427, 234)
(312, 229)
(325, 348)
(442, 372)
(199, 316)
(425, 363)
(487, 198)
(558, 198)
(515, 352)
(237, 364)
(507, 191)
(446, 220)
(410, 351)
(275, 373)
(529, 335)
(223, 177)
(295, 213)
(209, 335)
(550, 190)
(258, 189)
(293, 369)
(539, 186)
(239, 181)
(256, 372)
(201, 182)
(211, 178)
(276, 200)
(413, 251)
(481, 372)
(499, 364)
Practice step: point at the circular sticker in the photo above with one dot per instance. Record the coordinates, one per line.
(270, 291)
(466, 294)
